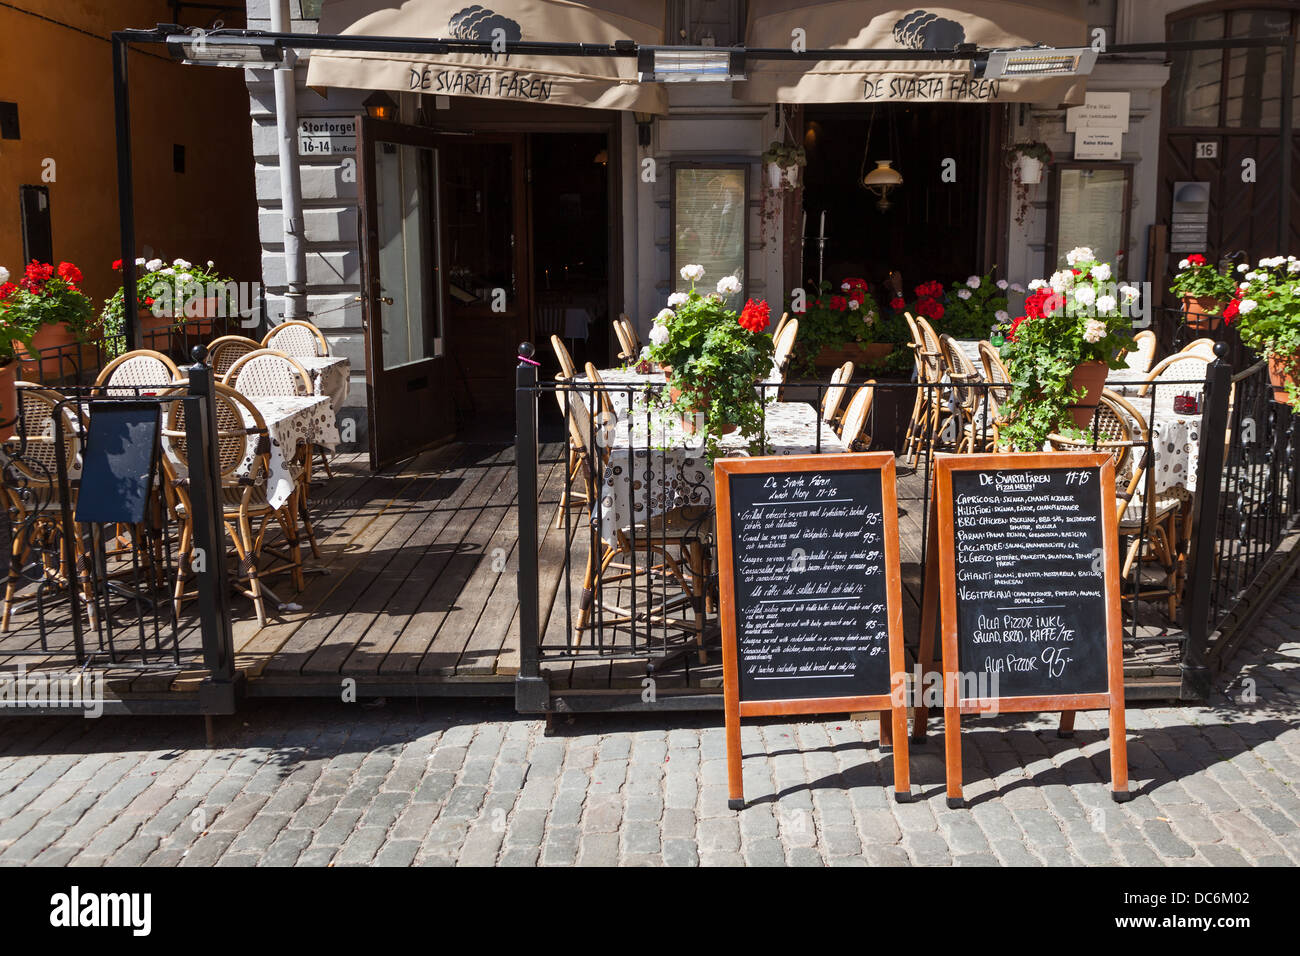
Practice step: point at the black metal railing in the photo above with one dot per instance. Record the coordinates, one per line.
(610, 493)
(89, 588)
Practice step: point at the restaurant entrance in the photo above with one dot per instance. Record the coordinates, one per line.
(475, 242)
(937, 223)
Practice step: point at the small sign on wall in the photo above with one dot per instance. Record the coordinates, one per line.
(1099, 111)
(1208, 150)
(1094, 143)
(327, 136)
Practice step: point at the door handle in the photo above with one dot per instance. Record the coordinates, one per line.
(382, 298)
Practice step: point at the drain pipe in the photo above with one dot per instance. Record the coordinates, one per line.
(286, 128)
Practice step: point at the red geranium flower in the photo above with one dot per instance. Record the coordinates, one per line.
(929, 290)
(754, 316)
(36, 275)
(117, 265)
(930, 308)
(69, 273)
(897, 304)
(148, 300)
(7, 290)
(1196, 259)
(839, 303)
(1230, 312)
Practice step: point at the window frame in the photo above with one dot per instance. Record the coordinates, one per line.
(673, 264)
(1122, 273)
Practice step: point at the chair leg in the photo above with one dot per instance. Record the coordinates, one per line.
(302, 511)
(182, 568)
(243, 537)
(17, 558)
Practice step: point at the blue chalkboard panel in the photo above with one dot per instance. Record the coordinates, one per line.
(119, 459)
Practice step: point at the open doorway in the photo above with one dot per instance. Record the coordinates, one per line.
(933, 229)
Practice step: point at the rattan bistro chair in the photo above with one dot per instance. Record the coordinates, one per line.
(267, 373)
(1140, 358)
(999, 391)
(834, 396)
(132, 372)
(297, 338)
(629, 342)
(1179, 367)
(567, 369)
(225, 351)
(1203, 346)
(243, 452)
(650, 576)
(853, 429)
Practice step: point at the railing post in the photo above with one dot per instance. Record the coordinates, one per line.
(1198, 587)
(217, 692)
(532, 693)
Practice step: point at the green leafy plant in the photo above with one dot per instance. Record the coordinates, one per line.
(1265, 308)
(1198, 279)
(177, 290)
(43, 296)
(975, 306)
(784, 154)
(714, 357)
(1076, 316)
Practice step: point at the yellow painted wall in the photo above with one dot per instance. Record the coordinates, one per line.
(61, 79)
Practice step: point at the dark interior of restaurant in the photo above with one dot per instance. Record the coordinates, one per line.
(931, 229)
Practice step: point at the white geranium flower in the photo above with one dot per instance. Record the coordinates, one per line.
(1078, 254)
(973, 282)
(1243, 267)
(1247, 305)
(1106, 304)
(1085, 295)
(1002, 284)
(678, 298)
(1094, 330)
(1184, 263)
(869, 318)
(153, 265)
(692, 273)
(645, 351)
(659, 334)
(665, 316)
(4, 275)
(1244, 287)
(728, 285)
(211, 264)
(1036, 284)
(182, 264)
(963, 293)
(185, 277)
(844, 286)
(1293, 265)
(1061, 281)
(1017, 287)
(140, 261)
(169, 271)
(1002, 315)
(854, 305)
(1129, 292)
(1101, 272)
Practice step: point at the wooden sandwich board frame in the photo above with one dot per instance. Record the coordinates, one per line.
(941, 593)
(892, 707)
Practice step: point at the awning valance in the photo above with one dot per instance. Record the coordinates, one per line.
(883, 24)
(600, 82)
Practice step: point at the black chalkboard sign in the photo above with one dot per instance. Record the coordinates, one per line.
(810, 593)
(1022, 573)
(1031, 598)
(810, 585)
(119, 459)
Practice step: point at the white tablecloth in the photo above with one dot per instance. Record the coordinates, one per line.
(330, 376)
(673, 465)
(291, 421)
(613, 378)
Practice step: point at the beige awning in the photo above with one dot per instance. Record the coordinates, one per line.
(884, 24)
(600, 82)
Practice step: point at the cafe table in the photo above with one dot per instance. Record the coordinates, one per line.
(653, 465)
(1176, 444)
(622, 386)
(291, 421)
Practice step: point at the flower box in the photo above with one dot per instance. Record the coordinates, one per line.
(1203, 313)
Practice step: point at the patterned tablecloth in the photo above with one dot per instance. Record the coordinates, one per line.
(613, 378)
(1176, 441)
(291, 421)
(669, 468)
(329, 377)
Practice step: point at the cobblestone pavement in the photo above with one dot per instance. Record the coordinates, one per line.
(456, 782)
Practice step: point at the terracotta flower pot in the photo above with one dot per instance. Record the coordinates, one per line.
(1203, 313)
(688, 424)
(1091, 378)
(55, 354)
(8, 394)
(1281, 372)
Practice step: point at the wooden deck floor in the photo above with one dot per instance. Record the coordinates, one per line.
(415, 593)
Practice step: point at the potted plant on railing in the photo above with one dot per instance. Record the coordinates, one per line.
(169, 295)
(12, 332)
(836, 326)
(46, 310)
(1266, 311)
(1205, 292)
(781, 163)
(1026, 161)
(1057, 353)
(713, 357)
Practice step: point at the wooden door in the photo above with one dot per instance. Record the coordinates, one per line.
(403, 290)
